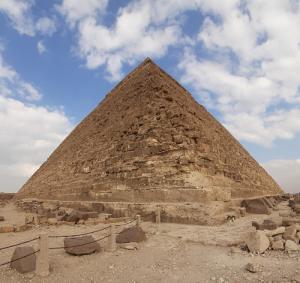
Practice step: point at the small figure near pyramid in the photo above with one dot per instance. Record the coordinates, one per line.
(149, 141)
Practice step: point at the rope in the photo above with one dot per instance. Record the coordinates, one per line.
(123, 224)
(11, 261)
(87, 233)
(57, 248)
(76, 235)
(18, 244)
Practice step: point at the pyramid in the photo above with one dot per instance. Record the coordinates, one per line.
(149, 141)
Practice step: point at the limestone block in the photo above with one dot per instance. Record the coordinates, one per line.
(256, 206)
(257, 242)
(290, 233)
(278, 245)
(81, 245)
(291, 246)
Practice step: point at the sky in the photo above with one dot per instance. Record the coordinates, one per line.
(239, 58)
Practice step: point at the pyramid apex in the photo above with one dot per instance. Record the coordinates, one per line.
(148, 60)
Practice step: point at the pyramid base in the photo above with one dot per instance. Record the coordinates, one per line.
(210, 213)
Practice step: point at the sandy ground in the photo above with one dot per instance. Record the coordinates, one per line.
(172, 253)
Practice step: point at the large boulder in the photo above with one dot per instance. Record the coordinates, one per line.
(257, 242)
(290, 233)
(291, 246)
(267, 224)
(132, 234)
(81, 245)
(257, 206)
(23, 259)
(77, 215)
(272, 233)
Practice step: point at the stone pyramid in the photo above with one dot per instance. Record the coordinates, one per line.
(149, 141)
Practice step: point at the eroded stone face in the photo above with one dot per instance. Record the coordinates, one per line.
(149, 140)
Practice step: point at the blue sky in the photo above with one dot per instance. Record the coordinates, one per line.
(58, 59)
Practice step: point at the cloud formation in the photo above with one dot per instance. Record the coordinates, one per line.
(251, 74)
(41, 47)
(19, 12)
(140, 29)
(28, 133)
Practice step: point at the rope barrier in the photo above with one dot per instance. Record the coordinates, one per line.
(82, 234)
(18, 244)
(64, 236)
(87, 233)
(123, 224)
(11, 261)
(75, 246)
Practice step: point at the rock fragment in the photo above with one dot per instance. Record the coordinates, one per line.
(81, 245)
(132, 234)
(23, 259)
(251, 267)
(291, 246)
(257, 242)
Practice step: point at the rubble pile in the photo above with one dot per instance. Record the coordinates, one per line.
(280, 234)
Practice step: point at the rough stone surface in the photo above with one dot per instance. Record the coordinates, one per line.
(278, 231)
(290, 233)
(278, 245)
(81, 245)
(52, 221)
(257, 206)
(257, 242)
(7, 229)
(251, 267)
(132, 234)
(291, 246)
(25, 263)
(149, 140)
(76, 216)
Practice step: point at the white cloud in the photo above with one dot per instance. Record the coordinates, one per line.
(46, 26)
(41, 47)
(76, 10)
(28, 133)
(251, 76)
(11, 84)
(286, 173)
(19, 12)
(140, 29)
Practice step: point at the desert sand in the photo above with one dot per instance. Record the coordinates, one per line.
(172, 253)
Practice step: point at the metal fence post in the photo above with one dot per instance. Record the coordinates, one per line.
(42, 265)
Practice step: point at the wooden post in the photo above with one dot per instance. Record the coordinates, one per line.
(112, 238)
(158, 215)
(138, 221)
(42, 265)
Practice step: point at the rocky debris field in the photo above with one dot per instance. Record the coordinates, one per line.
(253, 248)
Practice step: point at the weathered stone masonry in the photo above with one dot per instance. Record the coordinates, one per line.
(149, 141)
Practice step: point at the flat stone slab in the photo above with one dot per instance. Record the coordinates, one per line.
(132, 234)
(81, 245)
